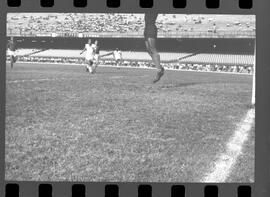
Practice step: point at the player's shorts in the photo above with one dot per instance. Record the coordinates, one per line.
(89, 57)
(91, 62)
(150, 31)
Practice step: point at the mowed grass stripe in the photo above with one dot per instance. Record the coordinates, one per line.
(110, 128)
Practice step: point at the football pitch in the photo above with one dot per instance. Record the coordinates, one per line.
(63, 124)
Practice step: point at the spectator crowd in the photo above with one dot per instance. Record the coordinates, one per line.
(79, 24)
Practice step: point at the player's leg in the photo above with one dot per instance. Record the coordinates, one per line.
(94, 68)
(86, 65)
(118, 64)
(150, 36)
(11, 61)
(95, 64)
(152, 50)
(91, 66)
(15, 58)
(12, 58)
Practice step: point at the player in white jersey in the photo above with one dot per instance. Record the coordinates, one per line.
(89, 55)
(117, 56)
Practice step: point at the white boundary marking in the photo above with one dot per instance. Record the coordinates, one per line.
(226, 161)
(34, 80)
(199, 71)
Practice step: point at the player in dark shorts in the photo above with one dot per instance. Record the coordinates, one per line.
(150, 36)
(11, 52)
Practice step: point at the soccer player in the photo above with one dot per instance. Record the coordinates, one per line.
(117, 54)
(118, 57)
(11, 52)
(150, 36)
(89, 56)
(96, 56)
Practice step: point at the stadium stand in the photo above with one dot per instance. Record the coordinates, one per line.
(72, 24)
(178, 61)
(228, 59)
(37, 26)
(145, 56)
(126, 55)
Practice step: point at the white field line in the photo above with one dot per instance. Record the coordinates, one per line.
(227, 160)
(201, 71)
(34, 80)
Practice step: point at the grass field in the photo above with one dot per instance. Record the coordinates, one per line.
(63, 124)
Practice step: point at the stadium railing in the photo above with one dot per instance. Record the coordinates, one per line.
(173, 65)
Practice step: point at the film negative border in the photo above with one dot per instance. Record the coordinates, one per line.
(212, 4)
(261, 186)
(113, 190)
(176, 6)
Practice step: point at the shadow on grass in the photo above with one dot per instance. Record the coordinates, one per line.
(179, 85)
